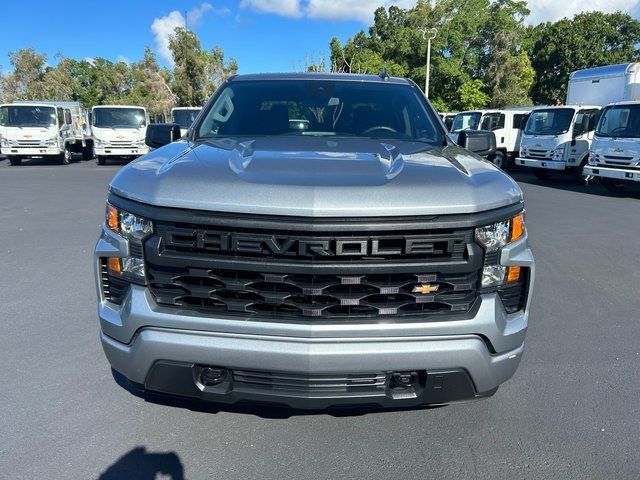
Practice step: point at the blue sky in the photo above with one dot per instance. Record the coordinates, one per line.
(263, 35)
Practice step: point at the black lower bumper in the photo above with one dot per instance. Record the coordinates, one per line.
(431, 387)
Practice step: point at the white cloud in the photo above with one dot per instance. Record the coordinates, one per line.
(553, 10)
(163, 27)
(123, 59)
(361, 10)
(286, 8)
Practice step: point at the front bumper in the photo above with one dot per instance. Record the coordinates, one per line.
(546, 164)
(30, 152)
(120, 152)
(629, 174)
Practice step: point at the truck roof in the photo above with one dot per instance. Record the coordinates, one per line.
(119, 106)
(43, 103)
(348, 77)
(627, 102)
(186, 108)
(551, 107)
(605, 71)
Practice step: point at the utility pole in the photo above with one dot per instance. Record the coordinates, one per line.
(428, 34)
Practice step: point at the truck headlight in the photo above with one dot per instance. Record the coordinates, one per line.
(4, 142)
(98, 143)
(135, 230)
(493, 237)
(593, 158)
(558, 153)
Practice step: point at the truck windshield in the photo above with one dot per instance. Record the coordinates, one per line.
(620, 121)
(119, 117)
(466, 121)
(554, 121)
(320, 108)
(27, 116)
(492, 121)
(184, 117)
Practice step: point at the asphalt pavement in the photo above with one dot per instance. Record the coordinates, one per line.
(571, 411)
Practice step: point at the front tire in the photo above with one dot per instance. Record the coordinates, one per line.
(15, 161)
(102, 161)
(500, 160)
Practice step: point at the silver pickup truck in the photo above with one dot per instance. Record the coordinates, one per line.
(315, 240)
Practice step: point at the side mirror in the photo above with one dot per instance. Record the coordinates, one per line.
(480, 142)
(161, 134)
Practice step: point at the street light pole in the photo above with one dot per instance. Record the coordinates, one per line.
(428, 34)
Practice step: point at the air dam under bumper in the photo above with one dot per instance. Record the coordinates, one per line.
(546, 164)
(632, 175)
(453, 368)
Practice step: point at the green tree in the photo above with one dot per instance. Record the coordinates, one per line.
(589, 40)
(197, 72)
(471, 95)
(25, 81)
(461, 52)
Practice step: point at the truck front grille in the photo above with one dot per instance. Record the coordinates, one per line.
(31, 143)
(297, 269)
(327, 296)
(539, 154)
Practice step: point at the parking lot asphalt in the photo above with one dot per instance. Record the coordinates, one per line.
(571, 411)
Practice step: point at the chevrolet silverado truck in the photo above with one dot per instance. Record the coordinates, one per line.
(354, 256)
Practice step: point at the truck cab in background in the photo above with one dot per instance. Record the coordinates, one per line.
(615, 150)
(557, 139)
(506, 124)
(119, 131)
(48, 129)
(184, 116)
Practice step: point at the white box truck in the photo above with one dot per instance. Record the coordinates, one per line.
(44, 129)
(184, 116)
(119, 131)
(615, 150)
(507, 125)
(559, 139)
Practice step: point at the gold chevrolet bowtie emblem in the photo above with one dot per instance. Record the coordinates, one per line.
(425, 288)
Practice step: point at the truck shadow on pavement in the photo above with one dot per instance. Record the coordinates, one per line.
(138, 464)
(564, 183)
(267, 411)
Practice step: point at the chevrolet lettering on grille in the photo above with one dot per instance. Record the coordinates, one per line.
(276, 245)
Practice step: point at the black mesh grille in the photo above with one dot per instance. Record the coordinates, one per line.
(227, 291)
(255, 266)
(338, 383)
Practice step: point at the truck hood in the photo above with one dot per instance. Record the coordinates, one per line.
(28, 133)
(617, 151)
(119, 134)
(541, 142)
(316, 177)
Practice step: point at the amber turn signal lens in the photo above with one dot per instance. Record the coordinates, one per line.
(517, 227)
(112, 218)
(114, 265)
(513, 274)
